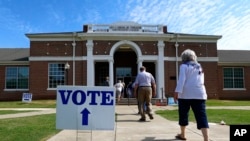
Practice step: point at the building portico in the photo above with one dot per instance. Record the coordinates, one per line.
(157, 59)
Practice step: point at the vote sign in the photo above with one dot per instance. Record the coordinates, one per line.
(85, 108)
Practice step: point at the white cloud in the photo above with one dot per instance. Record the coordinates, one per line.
(231, 19)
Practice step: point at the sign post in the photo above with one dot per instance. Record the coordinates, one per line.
(85, 108)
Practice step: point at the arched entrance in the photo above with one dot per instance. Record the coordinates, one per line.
(125, 65)
(123, 62)
(125, 54)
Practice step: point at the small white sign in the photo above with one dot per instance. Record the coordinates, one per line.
(85, 108)
(27, 97)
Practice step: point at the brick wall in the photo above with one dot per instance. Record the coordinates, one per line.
(57, 48)
(201, 49)
(148, 47)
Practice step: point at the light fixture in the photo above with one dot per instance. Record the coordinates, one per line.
(124, 47)
(67, 66)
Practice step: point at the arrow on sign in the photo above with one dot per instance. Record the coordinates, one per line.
(85, 117)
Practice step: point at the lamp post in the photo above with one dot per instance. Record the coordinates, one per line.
(67, 67)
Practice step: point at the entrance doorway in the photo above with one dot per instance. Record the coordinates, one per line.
(125, 66)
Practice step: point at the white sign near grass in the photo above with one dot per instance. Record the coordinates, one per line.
(85, 108)
(27, 97)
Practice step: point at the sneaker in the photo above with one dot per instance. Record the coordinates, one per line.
(151, 116)
(142, 119)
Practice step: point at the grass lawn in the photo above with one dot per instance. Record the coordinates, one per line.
(34, 128)
(230, 116)
(214, 116)
(227, 103)
(33, 104)
(42, 127)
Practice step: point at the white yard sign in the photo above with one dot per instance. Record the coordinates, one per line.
(85, 108)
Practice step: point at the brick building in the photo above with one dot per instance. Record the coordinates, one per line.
(117, 51)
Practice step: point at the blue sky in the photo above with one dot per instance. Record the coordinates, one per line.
(229, 18)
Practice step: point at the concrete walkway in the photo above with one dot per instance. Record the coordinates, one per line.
(32, 112)
(129, 129)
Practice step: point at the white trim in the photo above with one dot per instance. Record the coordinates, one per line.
(134, 46)
(160, 69)
(107, 57)
(14, 90)
(51, 89)
(233, 63)
(90, 63)
(57, 58)
(149, 58)
(234, 89)
(115, 47)
(101, 58)
(202, 59)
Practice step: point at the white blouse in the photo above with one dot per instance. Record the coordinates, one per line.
(191, 82)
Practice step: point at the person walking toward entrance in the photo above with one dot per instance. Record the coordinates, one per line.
(191, 93)
(118, 87)
(129, 90)
(145, 83)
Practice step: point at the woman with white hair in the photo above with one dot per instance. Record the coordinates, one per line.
(191, 93)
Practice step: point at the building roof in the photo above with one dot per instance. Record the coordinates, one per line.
(234, 55)
(14, 54)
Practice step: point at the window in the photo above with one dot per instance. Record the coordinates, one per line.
(233, 77)
(56, 74)
(123, 71)
(17, 78)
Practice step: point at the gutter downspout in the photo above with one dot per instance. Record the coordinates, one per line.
(74, 45)
(176, 58)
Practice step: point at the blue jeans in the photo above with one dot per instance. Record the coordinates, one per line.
(199, 109)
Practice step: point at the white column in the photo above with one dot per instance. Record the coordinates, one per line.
(160, 84)
(90, 63)
(139, 64)
(176, 61)
(111, 73)
(74, 66)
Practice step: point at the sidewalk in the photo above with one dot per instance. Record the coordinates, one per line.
(33, 112)
(129, 129)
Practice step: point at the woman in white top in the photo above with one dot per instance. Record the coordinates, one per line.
(191, 93)
(118, 87)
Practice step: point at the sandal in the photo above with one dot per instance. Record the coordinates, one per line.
(179, 137)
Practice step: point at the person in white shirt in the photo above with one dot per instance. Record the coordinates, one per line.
(191, 93)
(145, 89)
(118, 87)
